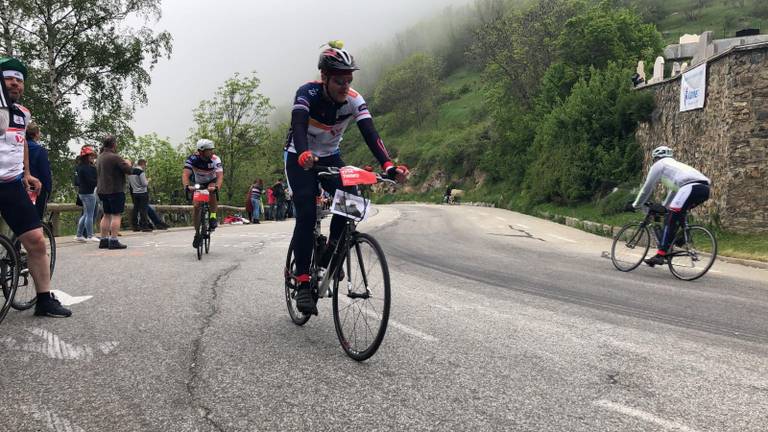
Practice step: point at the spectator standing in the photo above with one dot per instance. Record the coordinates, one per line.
(270, 204)
(40, 167)
(279, 191)
(139, 186)
(86, 191)
(111, 171)
(257, 189)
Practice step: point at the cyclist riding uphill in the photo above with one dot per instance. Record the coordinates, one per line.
(687, 189)
(16, 208)
(203, 168)
(322, 110)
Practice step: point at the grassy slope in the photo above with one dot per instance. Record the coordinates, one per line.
(450, 140)
(723, 17)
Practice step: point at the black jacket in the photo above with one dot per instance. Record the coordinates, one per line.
(86, 178)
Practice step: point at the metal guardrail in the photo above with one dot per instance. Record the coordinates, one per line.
(57, 208)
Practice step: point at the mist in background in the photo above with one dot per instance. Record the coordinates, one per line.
(279, 39)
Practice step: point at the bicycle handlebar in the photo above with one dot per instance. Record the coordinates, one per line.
(329, 171)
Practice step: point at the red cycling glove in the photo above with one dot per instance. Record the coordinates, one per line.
(306, 157)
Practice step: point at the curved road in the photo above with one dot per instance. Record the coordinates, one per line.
(500, 321)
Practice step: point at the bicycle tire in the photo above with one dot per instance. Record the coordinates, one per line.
(291, 286)
(26, 295)
(207, 232)
(362, 287)
(9, 274)
(701, 243)
(630, 246)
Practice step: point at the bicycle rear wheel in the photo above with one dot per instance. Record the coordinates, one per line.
(9, 274)
(630, 245)
(291, 286)
(26, 294)
(694, 259)
(361, 301)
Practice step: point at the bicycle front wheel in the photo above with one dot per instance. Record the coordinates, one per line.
(361, 300)
(26, 294)
(694, 259)
(9, 274)
(630, 245)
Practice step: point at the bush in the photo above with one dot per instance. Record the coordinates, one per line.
(614, 202)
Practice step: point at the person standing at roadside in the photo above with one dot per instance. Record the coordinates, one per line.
(270, 204)
(40, 167)
(140, 193)
(111, 171)
(279, 191)
(86, 180)
(257, 188)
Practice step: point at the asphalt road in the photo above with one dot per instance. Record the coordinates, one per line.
(499, 322)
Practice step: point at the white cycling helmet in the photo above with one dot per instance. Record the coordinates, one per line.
(204, 144)
(661, 152)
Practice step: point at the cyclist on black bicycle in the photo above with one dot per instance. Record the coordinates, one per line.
(15, 178)
(205, 169)
(322, 110)
(687, 189)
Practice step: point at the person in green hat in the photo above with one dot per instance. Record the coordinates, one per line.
(18, 187)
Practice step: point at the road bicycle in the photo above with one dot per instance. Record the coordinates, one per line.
(203, 231)
(357, 278)
(26, 294)
(691, 255)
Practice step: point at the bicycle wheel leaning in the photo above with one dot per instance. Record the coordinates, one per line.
(9, 274)
(361, 301)
(26, 294)
(630, 246)
(694, 259)
(291, 287)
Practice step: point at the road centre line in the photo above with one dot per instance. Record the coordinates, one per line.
(522, 226)
(562, 238)
(411, 331)
(642, 415)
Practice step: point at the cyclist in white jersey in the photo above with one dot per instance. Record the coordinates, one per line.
(687, 188)
(16, 207)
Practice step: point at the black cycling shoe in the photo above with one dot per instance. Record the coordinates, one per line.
(212, 223)
(656, 260)
(196, 241)
(115, 244)
(48, 305)
(104, 243)
(305, 302)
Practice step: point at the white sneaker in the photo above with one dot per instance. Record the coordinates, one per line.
(80, 239)
(94, 239)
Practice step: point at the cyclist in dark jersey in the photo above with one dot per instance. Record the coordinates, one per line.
(205, 169)
(322, 110)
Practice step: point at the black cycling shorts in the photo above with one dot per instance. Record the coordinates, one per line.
(17, 209)
(114, 203)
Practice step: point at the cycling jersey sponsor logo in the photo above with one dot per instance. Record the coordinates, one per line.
(312, 92)
(19, 119)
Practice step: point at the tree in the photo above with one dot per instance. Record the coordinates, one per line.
(82, 50)
(409, 89)
(236, 120)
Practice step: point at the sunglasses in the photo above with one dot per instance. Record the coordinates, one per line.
(341, 81)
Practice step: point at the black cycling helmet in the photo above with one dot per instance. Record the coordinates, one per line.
(335, 58)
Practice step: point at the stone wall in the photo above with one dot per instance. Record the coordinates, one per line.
(727, 140)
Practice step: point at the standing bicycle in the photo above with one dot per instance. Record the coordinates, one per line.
(352, 271)
(205, 170)
(690, 256)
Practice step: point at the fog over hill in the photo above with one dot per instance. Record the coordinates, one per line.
(278, 39)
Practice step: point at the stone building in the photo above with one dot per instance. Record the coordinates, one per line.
(727, 140)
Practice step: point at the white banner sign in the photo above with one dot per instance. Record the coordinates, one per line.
(693, 88)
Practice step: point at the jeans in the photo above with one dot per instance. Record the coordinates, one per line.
(139, 216)
(85, 224)
(154, 217)
(256, 209)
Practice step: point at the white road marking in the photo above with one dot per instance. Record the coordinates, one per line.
(562, 238)
(642, 415)
(500, 218)
(53, 422)
(54, 347)
(522, 226)
(68, 300)
(412, 331)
